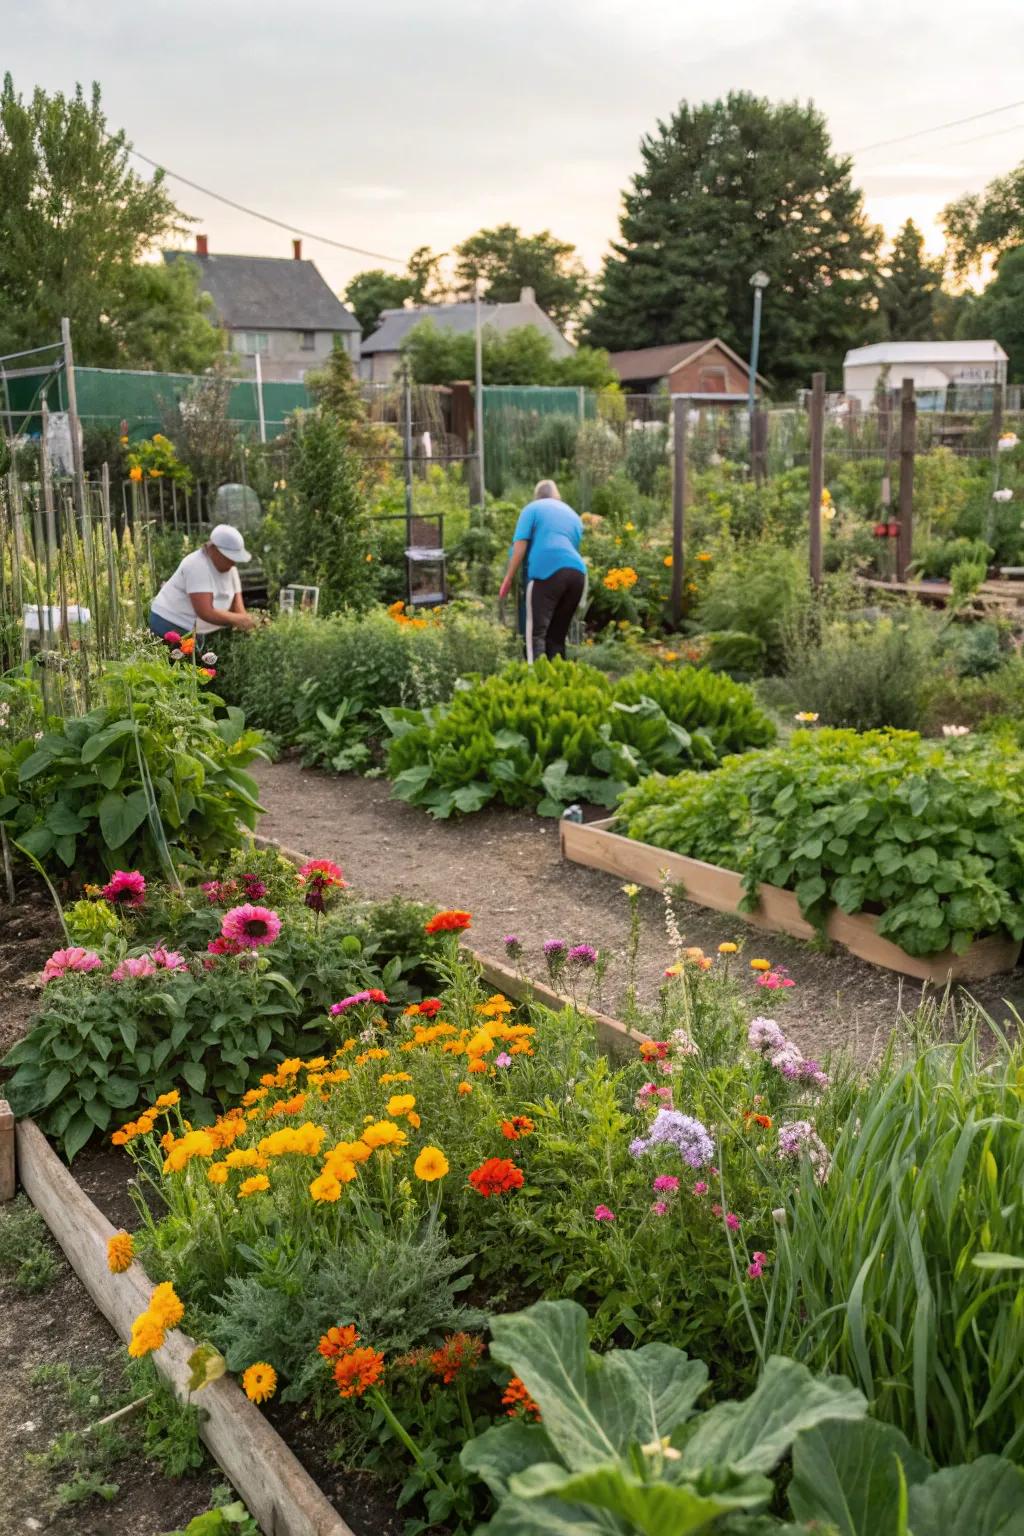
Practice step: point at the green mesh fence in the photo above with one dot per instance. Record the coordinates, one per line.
(107, 397)
(530, 432)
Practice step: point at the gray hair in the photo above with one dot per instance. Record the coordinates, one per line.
(546, 490)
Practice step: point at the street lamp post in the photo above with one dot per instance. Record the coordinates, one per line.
(759, 282)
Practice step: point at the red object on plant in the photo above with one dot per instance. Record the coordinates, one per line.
(881, 530)
(496, 1176)
(894, 530)
(450, 921)
(172, 637)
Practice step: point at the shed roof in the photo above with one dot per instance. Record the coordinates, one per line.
(272, 293)
(659, 362)
(882, 352)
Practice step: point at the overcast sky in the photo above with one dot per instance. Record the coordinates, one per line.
(389, 124)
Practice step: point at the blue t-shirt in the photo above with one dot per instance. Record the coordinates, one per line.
(554, 532)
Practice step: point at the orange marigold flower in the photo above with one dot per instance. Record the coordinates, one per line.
(764, 1121)
(217, 1173)
(357, 1371)
(430, 1165)
(257, 1185)
(120, 1252)
(477, 1066)
(653, 1050)
(147, 1335)
(165, 1306)
(459, 1352)
(760, 965)
(400, 1104)
(167, 1100)
(260, 1382)
(496, 1176)
(326, 1188)
(449, 921)
(465, 1088)
(338, 1341)
(518, 1403)
(517, 1127)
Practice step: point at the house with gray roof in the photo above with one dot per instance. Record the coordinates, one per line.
(382, 351)
(278, 309)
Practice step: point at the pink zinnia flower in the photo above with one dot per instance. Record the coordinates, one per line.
(732, 1221)
(73, 959)
(700, 1188)
(602, 1213)
(660, 1207)
(250, 927)
(356, 999)
(135, 968)
(666, 1183)
(167, 959)
(172, 637)
(223, 947)
(125, 888)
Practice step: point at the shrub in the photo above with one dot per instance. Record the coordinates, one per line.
(925, 833)
(326, 533)
(761, 589)
(146, 776)
(730, 650)
(558, 730)
(369, 661)
(864, 675)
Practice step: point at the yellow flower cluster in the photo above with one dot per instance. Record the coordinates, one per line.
(165, 1311)
(620, 578)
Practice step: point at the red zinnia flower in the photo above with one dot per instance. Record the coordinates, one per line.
(496, 1176)
(518, 1403)
(357, 1371)
(125, 888)
(428, 1009)
(338, 1341)
(459, 1352)
(517, 1127)
(449, 921)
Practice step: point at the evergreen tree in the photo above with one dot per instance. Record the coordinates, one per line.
(327, 537)
(909, 289)
(509, 261)
(725, 189)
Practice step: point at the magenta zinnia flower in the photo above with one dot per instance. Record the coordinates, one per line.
(666, 1183)
(167, 959)
(134, 967)
(602, 1213)
(125, 888)
(250, 927)
(73, 959)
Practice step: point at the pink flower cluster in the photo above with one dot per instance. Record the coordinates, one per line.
(651, 1095)
(246, 927)
(602, 1213)
(125, 888)
(373, 995)
(765, 1036)
(756, 1269)
(774, 980)
(219, 892)
(139, 966)
(74, 959)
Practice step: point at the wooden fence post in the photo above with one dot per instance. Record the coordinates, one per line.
(7, 1184)
(680, 407)
(908, 439)
(817, 474)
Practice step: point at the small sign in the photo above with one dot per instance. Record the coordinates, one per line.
(299, 600)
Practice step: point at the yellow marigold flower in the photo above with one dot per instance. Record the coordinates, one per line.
(384, 1134)
(309, 1138)
(253, 1096)
(727, 949)
(217, 1173)
(167, 1100)
(316, 1063)
(259, 1382)
(477, 1066)
(413, 1119)
(667, 560)
(120, 1252)
(430, 1165)
(325, 1188)
(147, 1335)
(377, 1053)
(394, 1077)
(289, 1068)
(760, 965)
(192, 1144)
(165, 1306)
(254, 1186)
(339, 1075)
(355, 1151)
(465, 1088)
(341, 1168)
(243, 1157)
(401, 1103)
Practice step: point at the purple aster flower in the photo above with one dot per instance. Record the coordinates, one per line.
(554, 947)
(638, 1147)
(513, 946)
(800, 1139)
(582, 955)
(764, 1035)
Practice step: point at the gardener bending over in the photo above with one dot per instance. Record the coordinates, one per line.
(547, 537)
(205, 592)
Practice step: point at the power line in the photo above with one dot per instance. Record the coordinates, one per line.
(957, 122)
(266, 217)
(975, 138)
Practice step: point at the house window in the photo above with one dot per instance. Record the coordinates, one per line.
(712, 381)
(308, 341)
(253, 341)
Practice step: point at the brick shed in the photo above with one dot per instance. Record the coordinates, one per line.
(685, 368)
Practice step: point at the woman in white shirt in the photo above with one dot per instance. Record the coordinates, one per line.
(205, 592)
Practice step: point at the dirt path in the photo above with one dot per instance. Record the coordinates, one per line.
(505, 868)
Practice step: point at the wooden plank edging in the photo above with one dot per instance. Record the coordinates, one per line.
(278, 1491)
(611, 1033)
(7, 1179)
(594, 845)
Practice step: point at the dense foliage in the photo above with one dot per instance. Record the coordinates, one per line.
(925, 834)
(146, 778)
(558, 731)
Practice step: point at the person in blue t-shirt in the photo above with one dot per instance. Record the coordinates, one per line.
(547, 537)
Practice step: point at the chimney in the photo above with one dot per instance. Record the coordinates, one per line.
(527, 296)
(297, 249)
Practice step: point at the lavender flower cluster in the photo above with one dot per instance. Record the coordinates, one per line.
(671, 1128)
(800, 1139)
(765, 1036)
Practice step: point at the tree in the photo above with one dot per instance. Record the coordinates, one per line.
(727, 188)
(522, 355)
(370, 293)
(909, 288)
(997, 314)
(327, 536)
(75, 221)
(985, 223)
(509, 261)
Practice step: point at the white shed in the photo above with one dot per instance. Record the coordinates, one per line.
(940, 369)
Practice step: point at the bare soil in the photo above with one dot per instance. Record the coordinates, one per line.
(29, 933)
(505, 868)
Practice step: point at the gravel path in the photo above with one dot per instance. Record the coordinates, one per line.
(505, 868)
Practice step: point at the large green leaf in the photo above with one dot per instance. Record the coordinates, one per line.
(985, 1499)
(656, 1508)
(98, 744)
(503, 1450)
(595, 1407)
(550, 1517)
(121, 815)
(754, 1435)
(849, 1475)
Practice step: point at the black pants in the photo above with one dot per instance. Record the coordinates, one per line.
(550, 605)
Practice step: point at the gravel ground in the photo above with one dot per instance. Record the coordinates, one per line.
(505, 868)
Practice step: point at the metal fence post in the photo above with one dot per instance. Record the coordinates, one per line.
(680, 408)
(817, 473)
(908, 439)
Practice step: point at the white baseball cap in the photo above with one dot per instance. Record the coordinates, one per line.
(230, 543)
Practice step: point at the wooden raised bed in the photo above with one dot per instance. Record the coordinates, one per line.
(708, 885)
(278, 1491)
